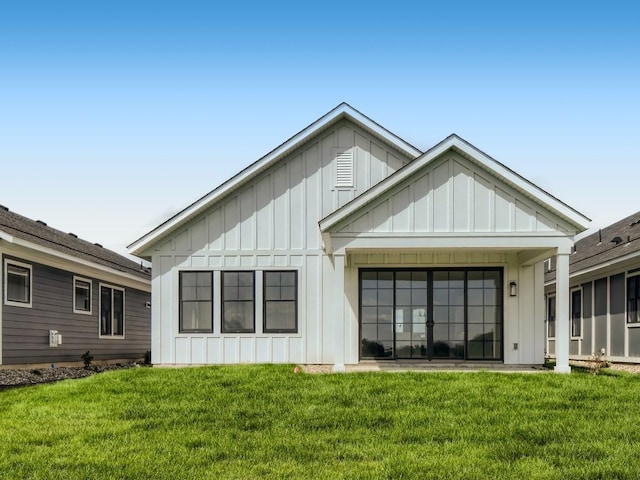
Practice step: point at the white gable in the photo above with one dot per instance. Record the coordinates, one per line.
(452, 195)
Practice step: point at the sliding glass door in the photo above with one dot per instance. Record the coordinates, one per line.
(431, 314)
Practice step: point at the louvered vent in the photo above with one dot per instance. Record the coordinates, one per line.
(344, 169)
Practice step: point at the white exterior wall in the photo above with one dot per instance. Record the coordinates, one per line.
(454, 195)
(269, 223)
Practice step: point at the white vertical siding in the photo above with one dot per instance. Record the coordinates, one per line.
(271, 222)
(455, 196)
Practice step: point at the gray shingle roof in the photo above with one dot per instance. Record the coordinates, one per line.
(39, 233)
(617, 240)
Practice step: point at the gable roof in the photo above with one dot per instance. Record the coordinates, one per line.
(342, 111)
(478, 157)
(616, 242)
(37, 233)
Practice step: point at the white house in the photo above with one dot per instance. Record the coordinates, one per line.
(347, 243)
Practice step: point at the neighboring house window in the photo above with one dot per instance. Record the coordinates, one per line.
(81, 295)
(551, 316)
(196, 302)
(111, 311)
(633, 299)
(18, 287)
(238, 299)
(280, 302)
(576, 313)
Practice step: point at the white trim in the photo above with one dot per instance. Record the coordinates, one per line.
(341, 111)
(7, 262)
(90, 282)
(555, 206)
(124, 310)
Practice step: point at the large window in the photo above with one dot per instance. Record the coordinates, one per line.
(280, 302)
(81, 295)
(551, 316)
(17, 277)
(576, 313)
(196, 302)
(111, 311)
(633, 299)
(238, 302)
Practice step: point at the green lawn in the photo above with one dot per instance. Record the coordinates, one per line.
(267, 422)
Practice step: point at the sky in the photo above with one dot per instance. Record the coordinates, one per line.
(116, 115)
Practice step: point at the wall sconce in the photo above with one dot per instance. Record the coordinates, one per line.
(513, 289)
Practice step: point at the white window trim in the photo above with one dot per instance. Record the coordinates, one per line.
(124, 309)
(575, 289)
(8, 262)
(90, 282)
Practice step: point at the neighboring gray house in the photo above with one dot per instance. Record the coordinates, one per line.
(62, 296)
(604, 283)
(346, 243)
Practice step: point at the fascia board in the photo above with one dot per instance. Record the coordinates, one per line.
(6, 237)
(341, 111)
(79, 261)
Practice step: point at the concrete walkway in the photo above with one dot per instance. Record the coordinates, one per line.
(425, 366)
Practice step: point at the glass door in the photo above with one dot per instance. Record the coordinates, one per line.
(431, 313)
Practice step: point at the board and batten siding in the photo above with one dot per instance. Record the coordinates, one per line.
(269, 223)
(25, 331)
(454, 195)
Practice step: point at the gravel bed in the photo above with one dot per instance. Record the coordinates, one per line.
(10, 377)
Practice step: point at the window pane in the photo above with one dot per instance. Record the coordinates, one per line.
(237, 317)
(118, 312)
(203, 293)
(230, 293)
(280, 316)
(403, 279)
(105, 311)
(230, 278)
(245, 279)
(18, 284)
(385, 279)
(288, 293)
(188, 293)
(82, 295)
(245, 293)
(272, 293)
(188, 279)
(196, 316)
(369, 280)
(205, 279)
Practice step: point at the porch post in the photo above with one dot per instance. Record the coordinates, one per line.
(562, 313)
(338, 312)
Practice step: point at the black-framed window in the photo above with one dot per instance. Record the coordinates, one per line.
(81, 295)
(18, 283)
(238, 302)
(111, 311)
(196, 302)
(280, 301)
(551, 316)
(633, 299)
(576, 313)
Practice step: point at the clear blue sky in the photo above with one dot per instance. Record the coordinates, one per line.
(115, 115)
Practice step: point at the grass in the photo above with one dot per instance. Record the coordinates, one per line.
(267, 422)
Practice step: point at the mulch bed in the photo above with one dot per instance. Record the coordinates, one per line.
(10, 378)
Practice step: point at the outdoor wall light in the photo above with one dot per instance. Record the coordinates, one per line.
(513, 289)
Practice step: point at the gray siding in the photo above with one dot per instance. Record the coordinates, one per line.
(617, 314)
(25, 331)
(587, 320)
(600, 307)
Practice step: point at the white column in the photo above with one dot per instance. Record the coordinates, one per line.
(338, 312)
(562, 313)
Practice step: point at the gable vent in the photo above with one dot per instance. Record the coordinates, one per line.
(344, 169)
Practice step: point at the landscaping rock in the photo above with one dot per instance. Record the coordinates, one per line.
(19, 377)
